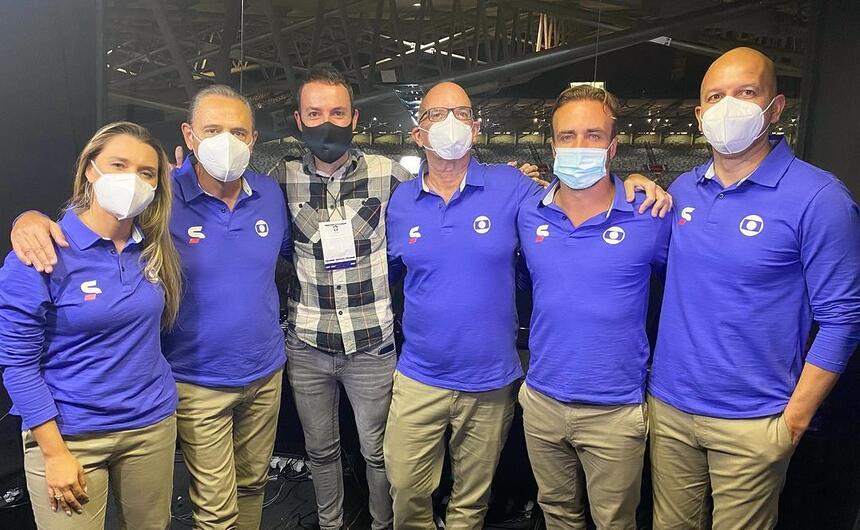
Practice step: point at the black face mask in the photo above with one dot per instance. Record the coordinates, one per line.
(327, 141)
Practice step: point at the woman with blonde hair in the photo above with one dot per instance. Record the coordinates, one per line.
(80, 346)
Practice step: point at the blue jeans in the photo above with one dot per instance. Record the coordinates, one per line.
(367, 378)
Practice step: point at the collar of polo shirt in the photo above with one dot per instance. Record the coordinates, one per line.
(619, 199)
(768, 173)
(474, 177)
(84, 237)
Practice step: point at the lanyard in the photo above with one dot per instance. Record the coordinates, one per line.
(338, 203)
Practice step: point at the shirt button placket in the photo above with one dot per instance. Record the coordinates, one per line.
(340, 297)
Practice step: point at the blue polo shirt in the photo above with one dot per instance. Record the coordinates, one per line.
(80, 345)
(750, 267)
(459, 317)
(590, 293)
(228, 331)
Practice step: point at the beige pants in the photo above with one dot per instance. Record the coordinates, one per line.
(574, 448)
(136, 465)
(739, 464)
(414, 449)
(227, 436)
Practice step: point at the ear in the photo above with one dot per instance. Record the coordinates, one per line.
(254, 140)
(354, 119)
(776, 108)
(90, 172)
(186, 133)
(613, 148)
(552, 147)
(699, 113)
(298, 119)
(476, 129)
(416, 136)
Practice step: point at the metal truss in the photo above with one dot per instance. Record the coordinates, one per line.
(159, 52)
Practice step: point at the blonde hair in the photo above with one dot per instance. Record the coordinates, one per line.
(159, 256)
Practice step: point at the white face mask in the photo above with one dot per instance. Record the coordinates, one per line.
(732, 125)
(450, 138)
(122, 195)
(223, 156)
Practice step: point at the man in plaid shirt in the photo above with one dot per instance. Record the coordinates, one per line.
(340, 319)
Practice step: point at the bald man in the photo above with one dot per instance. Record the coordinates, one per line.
(454, 229)
(763, 244)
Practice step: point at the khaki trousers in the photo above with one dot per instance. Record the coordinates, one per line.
(227, 436)
(414, 449)
(574, 448)
(738, 464)
(135, 465)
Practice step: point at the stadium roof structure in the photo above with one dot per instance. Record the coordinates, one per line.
(157, 53)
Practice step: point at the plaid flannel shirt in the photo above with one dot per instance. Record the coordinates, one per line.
(345, 310)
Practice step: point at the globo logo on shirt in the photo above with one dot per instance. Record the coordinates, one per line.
(614, 235)
(262, 228)
(90, 290)
(195, 234)
(541, 233)
(481, 224)
(751, 225)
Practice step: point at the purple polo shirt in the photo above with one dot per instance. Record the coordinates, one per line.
(750, 267)
(590, 294)
(459, 318)
(81, 345)
(228, 331)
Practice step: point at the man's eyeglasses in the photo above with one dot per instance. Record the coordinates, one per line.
(437, 114)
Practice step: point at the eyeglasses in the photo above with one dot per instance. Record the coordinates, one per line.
(440, 113)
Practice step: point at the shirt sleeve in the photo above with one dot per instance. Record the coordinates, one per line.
(523, 276)
(830, 256)
(24, 303)
(287, 242)
(526, 187)
(396, 268)
(661, 246)
(399, 174)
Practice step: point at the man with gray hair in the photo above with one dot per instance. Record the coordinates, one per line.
(226, 350)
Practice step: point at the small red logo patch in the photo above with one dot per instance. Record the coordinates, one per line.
(193, 241)
(88, 297)
(413, 240)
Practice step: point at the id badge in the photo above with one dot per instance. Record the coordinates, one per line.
(338, 244)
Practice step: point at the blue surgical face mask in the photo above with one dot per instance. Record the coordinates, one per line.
(580, 167)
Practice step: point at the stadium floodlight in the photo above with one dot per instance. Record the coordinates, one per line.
(595, 84)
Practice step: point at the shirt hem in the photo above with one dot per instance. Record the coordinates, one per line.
(722, 414)
(130, 426)
(458, 386)
(214, 382)
(583, 399)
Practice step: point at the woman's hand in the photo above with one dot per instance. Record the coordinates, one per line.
(67, 484)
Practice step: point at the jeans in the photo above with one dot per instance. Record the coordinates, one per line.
(367, 378)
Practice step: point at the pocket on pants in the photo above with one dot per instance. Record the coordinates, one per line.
(293, 342)
(783, 434)
(386, 350)
(643, 415)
